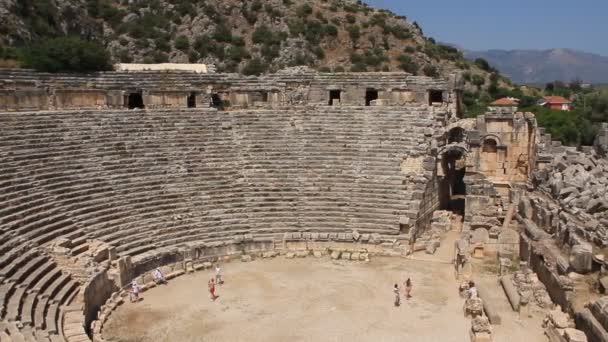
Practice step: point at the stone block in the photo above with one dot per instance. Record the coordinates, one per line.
(245, 258)
(364, 257)
(269, 254)
(559, 319)
(346, 255)
(290, 255)
(302, 254)
(480, 235)
(354, 256)
(481, 324)
(574, 335)
(481, 337)
(335, 255)
(317, 254)
(581, 258)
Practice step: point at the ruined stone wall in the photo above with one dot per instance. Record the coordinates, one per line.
(166, 99)
(95, 293)
(80, 98)
(503, 146)
(169, 89)
(575, 182)
(23, 99)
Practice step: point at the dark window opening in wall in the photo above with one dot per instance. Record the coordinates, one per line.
(370, 95)
(265, 96)
(135, 100)
(216, 101)
(489, 146)
(456, 135)
(452, 188)
(192, 100)
(334, 97)
(435, 96)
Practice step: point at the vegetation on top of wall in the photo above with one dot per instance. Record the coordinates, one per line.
(66, 54)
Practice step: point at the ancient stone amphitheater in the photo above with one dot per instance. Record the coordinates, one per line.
(108, 176)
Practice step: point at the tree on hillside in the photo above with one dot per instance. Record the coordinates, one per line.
(67, 54)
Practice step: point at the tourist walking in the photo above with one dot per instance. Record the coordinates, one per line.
(397, 295)
(134, 294)
(218, 275)
(408, 288)
(212, 289)
(472, 291)
(159, 277)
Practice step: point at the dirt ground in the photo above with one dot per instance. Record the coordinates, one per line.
(316, 300)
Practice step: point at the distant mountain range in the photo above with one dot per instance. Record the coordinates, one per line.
(541, 66)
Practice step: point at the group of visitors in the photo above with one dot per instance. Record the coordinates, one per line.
(157, 275)
(407, 286)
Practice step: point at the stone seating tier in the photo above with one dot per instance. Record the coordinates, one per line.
(314, 169)
(149, 181)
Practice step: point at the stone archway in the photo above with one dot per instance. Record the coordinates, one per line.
(452, 188)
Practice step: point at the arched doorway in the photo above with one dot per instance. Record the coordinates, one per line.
(452, 190)
(135, 100)
(370, 95)
(191, 100)
(489, 156)
(216, 101)
(456, 135)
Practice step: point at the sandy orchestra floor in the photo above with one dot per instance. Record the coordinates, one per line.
(310, 300)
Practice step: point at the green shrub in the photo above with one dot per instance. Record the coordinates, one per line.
(162, 44)
(355, 33)
(304, 11)
(351, 19)
(378, 19)
(406, 64)
(256, 5)
(67, 54)
(358, 67)
(182, 43)
(124, 56)
(330, 30)
(193, 57)
(430, 70)
(264, 35)
(339, 69)
(222, 34)
(238, 41)
(255, 67)
(237, 53)
(318, 52)
(484, 65)
(270, 52)
(478, 81)
(160, 57)
(324, 69)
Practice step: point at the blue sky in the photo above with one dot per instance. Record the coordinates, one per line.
(513, 24)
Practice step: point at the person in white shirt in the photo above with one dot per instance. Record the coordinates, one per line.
(219, 279)
(472, 291)
(135, 289)
(159, 277)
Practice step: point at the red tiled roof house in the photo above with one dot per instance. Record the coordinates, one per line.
(556, 102)
(505, 103)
